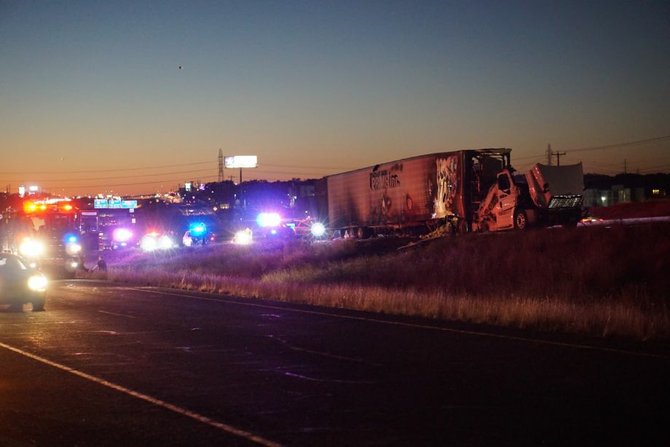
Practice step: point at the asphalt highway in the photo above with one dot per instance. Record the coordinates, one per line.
(112, 365)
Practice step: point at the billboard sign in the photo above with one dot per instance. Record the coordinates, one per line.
(241, 161)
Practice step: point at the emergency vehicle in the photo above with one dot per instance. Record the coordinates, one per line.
(45, 233)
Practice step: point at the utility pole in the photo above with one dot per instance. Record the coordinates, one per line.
(625, 166)
(549, 154)
(220, 165)
(558, 157)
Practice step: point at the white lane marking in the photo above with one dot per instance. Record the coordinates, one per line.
(413, 325)
(106, 332)
(116, 315)
(313, 379)
(322, 354)
(152, 400)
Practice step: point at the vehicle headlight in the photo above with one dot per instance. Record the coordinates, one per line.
(148, 243)
(37, 283)
(318, 229)
(72, 248)
(122, 235)
(166, 242)
(243, 237)
(31, 248)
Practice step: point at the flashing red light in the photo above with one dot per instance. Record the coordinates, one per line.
(32, 207)
(29, 207)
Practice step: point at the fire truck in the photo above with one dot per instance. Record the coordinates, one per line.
(45, 233)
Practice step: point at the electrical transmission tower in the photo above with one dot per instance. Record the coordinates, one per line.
(220, 165)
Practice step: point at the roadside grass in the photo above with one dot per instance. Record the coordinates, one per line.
(607, 282)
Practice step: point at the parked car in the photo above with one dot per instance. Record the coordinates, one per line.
(20, 284)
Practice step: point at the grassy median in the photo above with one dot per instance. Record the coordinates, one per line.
(610, 282)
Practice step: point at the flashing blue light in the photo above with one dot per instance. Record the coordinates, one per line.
(198, 229)
(268, 220)
(70, 238)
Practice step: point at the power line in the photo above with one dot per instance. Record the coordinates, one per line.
(178, 177)
(609, 146)
(655, 169)
(327, 168)
(123, 176)
(529, 157)
(90, 171)
(48, 183)
(605, 163)
(620, 145)
(58, 184)
(114, 185)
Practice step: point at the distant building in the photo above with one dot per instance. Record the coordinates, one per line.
(603, 190)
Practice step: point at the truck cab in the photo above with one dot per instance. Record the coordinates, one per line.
(546, 195)
(506, 204)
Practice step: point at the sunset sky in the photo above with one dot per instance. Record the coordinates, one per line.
(131, 97)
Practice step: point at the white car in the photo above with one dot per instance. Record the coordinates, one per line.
(20, 284)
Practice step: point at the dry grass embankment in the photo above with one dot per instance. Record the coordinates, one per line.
(592, 281)
(651, 208)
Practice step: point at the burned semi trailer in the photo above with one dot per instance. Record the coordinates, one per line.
(462, 191)
(415, 194)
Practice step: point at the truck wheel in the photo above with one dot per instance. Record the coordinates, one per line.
(520, 220)
(364, 232)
